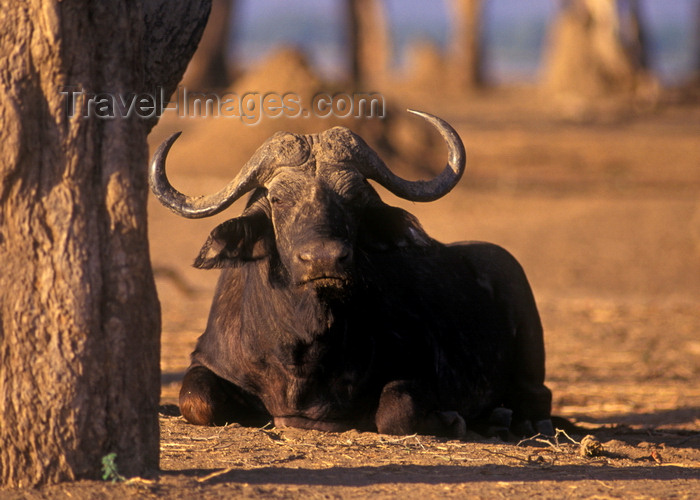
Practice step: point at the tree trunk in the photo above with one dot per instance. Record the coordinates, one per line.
(369, 43)
(79, 316)
(697, 42)
(466, 57)
(587, 53)
(210, 67)
(638, 43)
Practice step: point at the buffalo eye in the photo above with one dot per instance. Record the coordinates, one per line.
(279, 203)
(276, 200)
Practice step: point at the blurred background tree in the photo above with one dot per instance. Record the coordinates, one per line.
(213, 66)
(369, 43)
(590, 53)
(697, 44)
(466, 58)
(574, 47)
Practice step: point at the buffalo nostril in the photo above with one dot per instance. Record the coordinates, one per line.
(306, 256)
(343, 254)
(339, 254)
(327, 253)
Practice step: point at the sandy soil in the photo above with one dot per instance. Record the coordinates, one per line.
(603, 211)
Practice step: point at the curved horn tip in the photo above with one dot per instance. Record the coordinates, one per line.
(162, 152)
(447, 131)
(431, 118)
(417, 112)
(167, 143)
(197, 207)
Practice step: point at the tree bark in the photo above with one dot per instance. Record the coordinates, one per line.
(79, 316)
(466, 59)
(369, 43)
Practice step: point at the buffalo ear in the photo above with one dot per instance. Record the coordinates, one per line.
(384, 228)
(236, 241)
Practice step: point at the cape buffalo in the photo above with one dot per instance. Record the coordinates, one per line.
(335, 310)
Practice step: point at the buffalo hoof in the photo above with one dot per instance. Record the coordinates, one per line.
(446, 424)
(206, 399)
(500, 423)
(545, 427)
(196, 409)
(529, 428)
(405, 408)
(398, 413)
(199, 396)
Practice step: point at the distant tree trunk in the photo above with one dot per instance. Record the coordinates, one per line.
(697, 42)
(587, 53)
(369, 42)
(210, 67)
(79, 316)
(466, 57)
(638, 44)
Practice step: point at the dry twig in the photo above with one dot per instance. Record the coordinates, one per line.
(404, 438)
(214, 474)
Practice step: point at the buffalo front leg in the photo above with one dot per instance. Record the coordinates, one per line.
(527, 395)
(207, 399)
(406, 407)
(530, 399)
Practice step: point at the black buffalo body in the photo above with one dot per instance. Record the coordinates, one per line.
(335, 311)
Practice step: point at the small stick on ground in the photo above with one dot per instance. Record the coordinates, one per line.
(214, 474)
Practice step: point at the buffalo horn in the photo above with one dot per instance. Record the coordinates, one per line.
(374, 168)
(250, 177)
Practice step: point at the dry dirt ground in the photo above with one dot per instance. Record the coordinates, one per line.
(603, 211)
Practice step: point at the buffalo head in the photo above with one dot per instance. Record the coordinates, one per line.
(312, 209)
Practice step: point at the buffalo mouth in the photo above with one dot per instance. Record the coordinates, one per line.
(325, 281)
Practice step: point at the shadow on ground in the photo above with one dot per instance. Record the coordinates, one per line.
(437, 474)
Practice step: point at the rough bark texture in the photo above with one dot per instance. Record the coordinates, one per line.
(79, 316)
(210, 68)
(466, 56)
(587, 53)
(369, 43)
